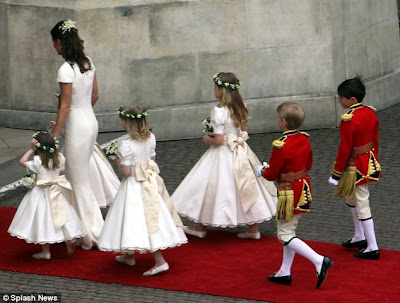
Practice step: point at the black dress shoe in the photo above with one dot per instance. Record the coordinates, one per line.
(287, 280)
(371, 255)
(326, 264)
(359, 244)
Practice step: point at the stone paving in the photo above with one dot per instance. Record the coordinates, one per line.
(329, 221)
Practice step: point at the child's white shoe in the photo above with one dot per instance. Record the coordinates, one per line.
(42, 256)
(196, 233)
(248, 235)
(127, 259)
(156, 270)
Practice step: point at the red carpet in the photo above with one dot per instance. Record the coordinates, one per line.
(221, 265)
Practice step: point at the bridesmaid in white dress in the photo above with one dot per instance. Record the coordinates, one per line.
(78, 94)
(222, 189)
(44, 218)
(142, 218)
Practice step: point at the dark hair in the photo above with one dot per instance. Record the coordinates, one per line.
(352, 88)
(72, 46)
(50, 160)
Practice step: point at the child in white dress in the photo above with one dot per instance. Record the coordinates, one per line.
(45, 215)
(222, 189)
(142, 218)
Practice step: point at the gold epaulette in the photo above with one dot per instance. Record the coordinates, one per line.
(279, 143)
(304, 133)
(347, 116)
(371, 107)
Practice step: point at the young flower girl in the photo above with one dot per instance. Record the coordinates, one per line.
(142, 217)
(45, 215)
(222, 189)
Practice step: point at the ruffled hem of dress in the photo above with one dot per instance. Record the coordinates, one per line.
(46, 242)
(225, 226)
(141, 250)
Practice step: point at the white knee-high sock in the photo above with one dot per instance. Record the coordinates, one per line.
(307, 252)
(369, 231)
(358, 228)
(287, 261)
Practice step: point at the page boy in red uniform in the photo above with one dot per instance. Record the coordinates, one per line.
(290, 161)
(357, 164)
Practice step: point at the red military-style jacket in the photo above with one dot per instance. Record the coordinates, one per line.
(292, 154)
(359, 144)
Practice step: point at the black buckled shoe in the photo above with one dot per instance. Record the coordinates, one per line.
(326, 264)
(359, 244)
(287, 280)
(370, 255)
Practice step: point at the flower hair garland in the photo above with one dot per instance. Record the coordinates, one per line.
(231, 86)
(49, 148)
(67, 25)
(132, 115)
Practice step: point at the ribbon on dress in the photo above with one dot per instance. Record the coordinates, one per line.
(147, 173)
(243, 171)
(57, 198)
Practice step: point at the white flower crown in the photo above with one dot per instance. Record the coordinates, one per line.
(67, 25)
(49, 148)
(220, 83)
(132, 115)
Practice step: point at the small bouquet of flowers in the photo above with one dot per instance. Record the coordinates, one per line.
(207, 126)
(111, 150)
(29, 180)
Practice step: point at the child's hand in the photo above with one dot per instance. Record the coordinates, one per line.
(333, 182)
(33, 144)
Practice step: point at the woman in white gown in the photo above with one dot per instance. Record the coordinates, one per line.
(78, 93)
(222, 189)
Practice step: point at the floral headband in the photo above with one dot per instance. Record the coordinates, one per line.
(132, 115)
(220, 83)
(67, 25)
(49, 148)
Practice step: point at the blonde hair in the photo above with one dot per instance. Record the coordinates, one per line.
(293, 113)
(233, 99)
(137, 128)
(50, 160)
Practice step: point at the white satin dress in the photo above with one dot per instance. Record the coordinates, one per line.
(81, 130)
(209, 193)
(127, 227)
(34, 219)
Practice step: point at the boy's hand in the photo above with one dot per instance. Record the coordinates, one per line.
(259, 170)
(333, 182)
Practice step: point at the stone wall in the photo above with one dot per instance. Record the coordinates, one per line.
(162, 54)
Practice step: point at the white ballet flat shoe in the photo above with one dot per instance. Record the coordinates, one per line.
(196, 233)
(247, 235)
(42, 256)
(123, 259)
(156, 270)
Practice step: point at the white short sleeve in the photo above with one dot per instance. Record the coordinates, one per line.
(62, 161)
(34, 164)
(124, 152)
(65, 73)
(153, 146)
(218, 120)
